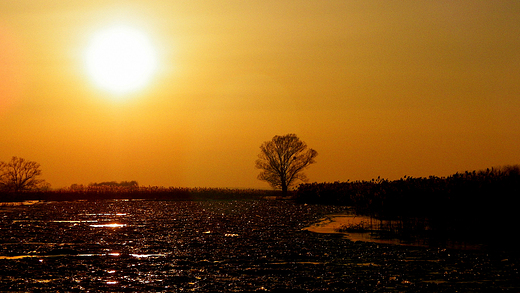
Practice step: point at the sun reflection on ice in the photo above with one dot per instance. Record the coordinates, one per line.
(111, 225)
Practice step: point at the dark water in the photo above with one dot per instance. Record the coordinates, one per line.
(222, 246)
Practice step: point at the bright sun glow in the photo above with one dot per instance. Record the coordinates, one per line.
(121, 59)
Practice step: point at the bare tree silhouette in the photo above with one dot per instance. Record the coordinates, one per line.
(19, 175)
(283, 159)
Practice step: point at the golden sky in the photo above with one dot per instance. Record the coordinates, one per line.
(378, 88)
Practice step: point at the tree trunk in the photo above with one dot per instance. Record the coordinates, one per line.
(284, 189)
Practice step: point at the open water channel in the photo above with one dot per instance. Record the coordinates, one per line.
(208, 246)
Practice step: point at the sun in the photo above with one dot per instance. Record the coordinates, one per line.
(121, 59)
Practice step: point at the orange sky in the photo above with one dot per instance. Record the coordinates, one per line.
(378, 88)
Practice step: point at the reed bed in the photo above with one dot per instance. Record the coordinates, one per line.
(478, 205)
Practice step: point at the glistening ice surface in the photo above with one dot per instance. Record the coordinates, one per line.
(221, 246)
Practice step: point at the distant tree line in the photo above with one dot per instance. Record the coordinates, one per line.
(100, 192)
(129, 184)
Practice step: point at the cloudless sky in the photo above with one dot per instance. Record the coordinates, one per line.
(378, 88)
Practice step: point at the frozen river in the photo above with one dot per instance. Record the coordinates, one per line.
(206, 246)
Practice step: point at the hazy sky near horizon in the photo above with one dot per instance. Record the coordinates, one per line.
(378, 88)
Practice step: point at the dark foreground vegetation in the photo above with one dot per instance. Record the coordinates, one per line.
(221, 246)
(479, 205)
